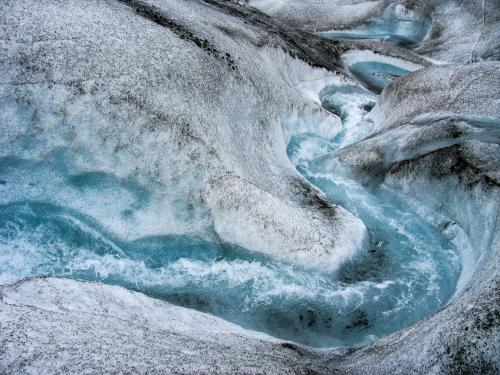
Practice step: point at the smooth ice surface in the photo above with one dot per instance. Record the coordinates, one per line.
(376, 75)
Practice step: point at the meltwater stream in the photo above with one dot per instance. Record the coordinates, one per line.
(48, 227)
(411, 266)
(397, 25)
(409, 269)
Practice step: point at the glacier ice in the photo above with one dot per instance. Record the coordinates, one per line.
(173, 148)
(397, 25)
(319, 15)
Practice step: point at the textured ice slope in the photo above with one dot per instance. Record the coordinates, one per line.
(87, 328)
(147, 97)
(318, 15)
(452, 31)
(462, 31)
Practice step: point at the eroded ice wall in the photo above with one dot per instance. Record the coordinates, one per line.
(142, 116)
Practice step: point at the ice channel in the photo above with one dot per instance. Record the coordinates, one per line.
(397, 25)
(408, 270)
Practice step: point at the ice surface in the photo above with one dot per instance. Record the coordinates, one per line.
(463, 31)
(376, 71)
(397, 25)
(119, 140)
(110, 172)
(318, 15)
(75, 327)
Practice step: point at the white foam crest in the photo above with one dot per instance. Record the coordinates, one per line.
(265, 282)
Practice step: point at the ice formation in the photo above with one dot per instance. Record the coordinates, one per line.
(282, 186)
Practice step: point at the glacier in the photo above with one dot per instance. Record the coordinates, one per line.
(249, 187)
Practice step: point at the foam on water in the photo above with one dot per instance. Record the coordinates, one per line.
(59, 220)
(38, 239)
(407, 247)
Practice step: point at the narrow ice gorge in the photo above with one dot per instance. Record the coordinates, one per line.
(280, 192)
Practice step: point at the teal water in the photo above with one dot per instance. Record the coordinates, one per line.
(57, 220)
(44, 234)
(376, 75)
(395, 27)
(416, 259)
